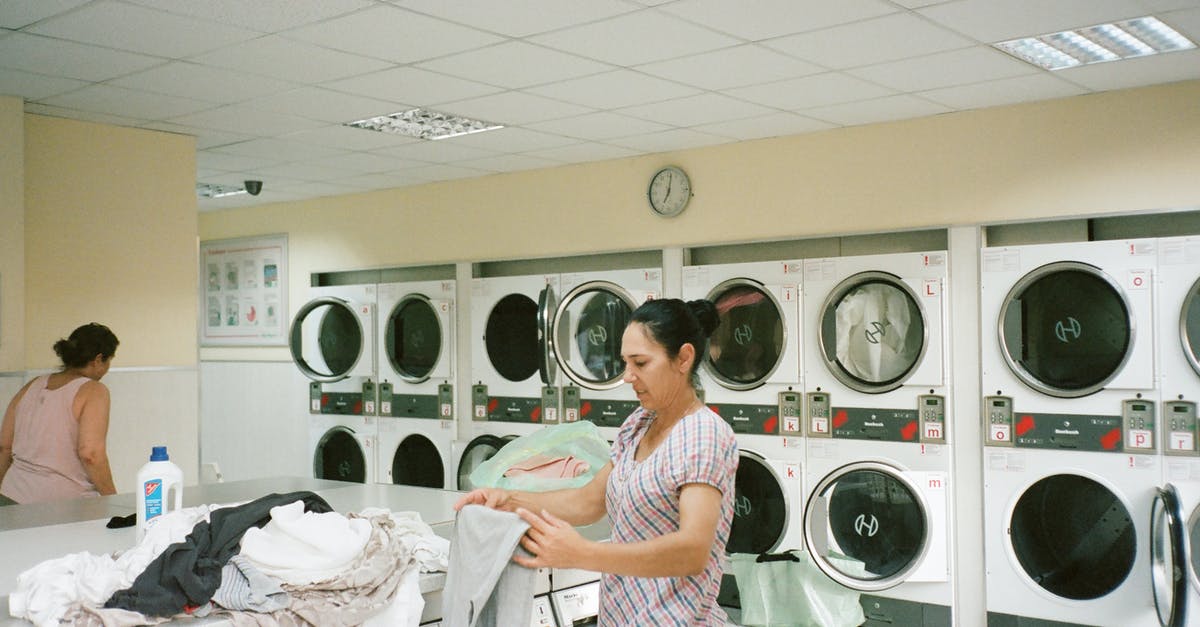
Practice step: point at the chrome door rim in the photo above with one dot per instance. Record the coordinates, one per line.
(588, 286)
(724, 381)
(296, 338)
(1189, 351)
(389, 337)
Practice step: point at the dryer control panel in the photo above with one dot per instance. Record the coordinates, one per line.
(933, 418)
(1130, 432)
(1180, 419)
(997, 412)
(1138, 416)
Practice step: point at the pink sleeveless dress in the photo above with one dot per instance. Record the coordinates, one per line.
(46, 464)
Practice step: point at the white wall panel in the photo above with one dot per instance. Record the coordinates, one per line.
(254, 419)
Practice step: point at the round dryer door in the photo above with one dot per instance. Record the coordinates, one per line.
(417, 462)
(339, 457)
(1072, 536)
(873, 332)
(1192, 533)
(478, 451)
(1167, 558)
(327, 339)
(760, 509)
(867, 526)
(1189, 326)
(588, 325)
(511, 337)
(413, 338)
(748, 344)
(1066, 329)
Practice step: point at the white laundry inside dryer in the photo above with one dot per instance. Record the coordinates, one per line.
(873, 332)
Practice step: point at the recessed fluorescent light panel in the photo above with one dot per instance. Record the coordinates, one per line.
(213, 190)
(425, 124)
(1139, 37)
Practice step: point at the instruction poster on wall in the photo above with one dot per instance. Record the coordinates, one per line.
(243, 285)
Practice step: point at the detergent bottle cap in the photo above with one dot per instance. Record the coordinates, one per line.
(159, 454)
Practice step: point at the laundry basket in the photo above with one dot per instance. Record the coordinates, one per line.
(787, 589)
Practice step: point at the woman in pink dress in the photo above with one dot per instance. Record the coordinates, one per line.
(52, 441)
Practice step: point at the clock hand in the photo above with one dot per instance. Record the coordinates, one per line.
(670, 181)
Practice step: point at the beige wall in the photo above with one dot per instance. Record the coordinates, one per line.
(110, 236)
(12, 235)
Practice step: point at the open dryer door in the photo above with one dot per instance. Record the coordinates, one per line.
(760, 508)
(547, 305)
(339, 457)
(328, 339)
(415, 338)
(1168, 558)
(749, 346)
(588, 325)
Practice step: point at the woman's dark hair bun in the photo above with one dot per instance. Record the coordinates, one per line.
(85, 343)
(706, 314)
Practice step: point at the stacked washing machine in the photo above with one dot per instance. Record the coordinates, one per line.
(1070, 463)
(515, 389)
(1175, 531)
(416, 392)
(751, 377)
(332, 341)
(877, 464)
(588, 323)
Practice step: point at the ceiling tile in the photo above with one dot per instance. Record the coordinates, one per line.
(771, 125)
(301, 170)
(53, 57)
(510, 163)
(262, 15)
(208, 84)
(519, 18)
(276, 57)
(247, 120)
(211, 160)
(675, 139)
(916, 4)
(320, 189)
(138, 29)
(579, 153)
(990, 21)
(896, 36)
(600, 125)
(419, 88)
(436, 152)
(347, 138)
(34, 86)
(756, 20)
(86, 116)
(515, 64)
(1164, 68)
(326, 105)
(1041, 86)
(749, 64)
(381, 180)
(1186, 22)
(944, 69)
(205, 138)
(369, 163)
(127, 102)
(888, 108)
(811, 91)
(511, 140)
(635, 38)
(15, 14)
(695, 110)
(621, 88)
(443, 172)
(278, 150)
(393, 34)
(512, 108)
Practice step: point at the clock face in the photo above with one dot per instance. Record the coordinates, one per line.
(669, 191)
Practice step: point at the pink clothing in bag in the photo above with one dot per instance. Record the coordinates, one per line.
(46, 464)
(562, 467)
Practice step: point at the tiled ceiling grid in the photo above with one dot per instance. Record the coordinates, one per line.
(265, 85)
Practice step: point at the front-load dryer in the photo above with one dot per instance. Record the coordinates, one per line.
(877, 348)
(332, 341)
(593, 310)
(1070, 462)
(1176, 565)
(343, 447)
(416, 393)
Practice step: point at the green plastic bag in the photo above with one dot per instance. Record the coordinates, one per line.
(579, 439)
(788, 590)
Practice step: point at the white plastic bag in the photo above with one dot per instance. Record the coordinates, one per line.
(788, 590)
(578, 439)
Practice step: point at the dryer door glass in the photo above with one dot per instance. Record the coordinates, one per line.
(1189, 326)
(511, 337)
(413, 338)
(873, 332)
(875, 529)
(760, 515)
(747, 345)
(1066, 329)
(339, 457)
(1193, 548)
(588, 327)
(1167, 557)
(478, 451)
(326, 339)
(417, 462)
(1073, 537)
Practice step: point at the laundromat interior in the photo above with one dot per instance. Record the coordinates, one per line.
(960, 291)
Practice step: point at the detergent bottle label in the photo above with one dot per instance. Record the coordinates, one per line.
(154, 498)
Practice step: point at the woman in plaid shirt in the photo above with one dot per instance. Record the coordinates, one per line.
(668, 491)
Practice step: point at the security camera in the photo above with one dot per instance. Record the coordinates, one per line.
(253, 187)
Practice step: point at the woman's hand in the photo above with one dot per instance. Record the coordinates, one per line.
(494, 498)
(552, 541)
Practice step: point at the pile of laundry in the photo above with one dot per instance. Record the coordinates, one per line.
(279, 560)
